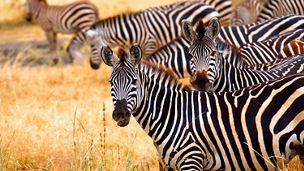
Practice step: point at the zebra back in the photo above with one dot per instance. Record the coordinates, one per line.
(223, 7)
(245, 13)
(69, 18)
(269, 50)
(274, 8)
(294, 47)
(259, 31)
(74, 17)
(150, 28)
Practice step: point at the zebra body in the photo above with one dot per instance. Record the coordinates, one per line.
(274, 8)
(249, 129)
(259, 31)
(293, 48)
(269, 50)
(210, 70)
(152, 27)
(76, 17)
(229, 76)
(245, 13)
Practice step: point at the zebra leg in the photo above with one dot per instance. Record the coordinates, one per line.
(51, 37)
(75, 46)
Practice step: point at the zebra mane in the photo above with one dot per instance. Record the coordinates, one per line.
(200, 28)
(163, 71)
(122, 54)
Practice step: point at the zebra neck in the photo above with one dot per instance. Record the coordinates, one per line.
(37, 7)
(158, 89)
(236, 77)
(229, 52)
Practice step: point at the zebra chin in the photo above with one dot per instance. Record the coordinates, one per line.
(200, 82)
(121, 114)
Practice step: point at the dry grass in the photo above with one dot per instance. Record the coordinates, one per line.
(52, 118)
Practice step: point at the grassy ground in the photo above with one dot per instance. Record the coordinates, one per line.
(59, 118)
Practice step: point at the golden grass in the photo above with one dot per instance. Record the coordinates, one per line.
(37, 109)
(51, 118)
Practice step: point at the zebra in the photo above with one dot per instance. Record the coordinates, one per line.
(76, 17)
(248, 129)
(245, 13)
(174, 54)
(259, 31)
(211, 71)
(274, 8)
(152, 27)
(270, 48)
(294, 47)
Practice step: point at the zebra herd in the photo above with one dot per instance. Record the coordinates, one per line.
(243, 109)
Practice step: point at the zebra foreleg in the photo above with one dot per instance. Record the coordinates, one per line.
(74, 47)
(52, 39)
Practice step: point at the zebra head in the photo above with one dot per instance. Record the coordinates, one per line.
(124, 82)
(31, 7)
(204, 60)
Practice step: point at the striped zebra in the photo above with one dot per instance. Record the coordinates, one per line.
(245, 13)
(259, 31)
(269, 49)
(76, 17)
(210, 70)
(274, 8)
(249, 129)
(232, 73)
(294, 47)
(152, 27)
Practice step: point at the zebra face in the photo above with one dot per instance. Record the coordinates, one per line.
(124, 82)
(31, 7)
(204, 60)
(27, 11)
(203, 65)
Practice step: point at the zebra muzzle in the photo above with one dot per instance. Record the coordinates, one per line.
(200, 81)
(121, 114)
(28, 18)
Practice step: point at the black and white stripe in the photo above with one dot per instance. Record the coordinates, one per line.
(210, 70)
(152, 27)
(274, 8)
(259, 31)
(76, 17)
(249, 129)
(269, 50)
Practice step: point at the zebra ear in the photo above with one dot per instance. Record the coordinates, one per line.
(107, 56)
(135, 54)
(188, 31)
(213, 28)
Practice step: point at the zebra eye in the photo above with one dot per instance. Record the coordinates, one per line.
(213, 53)
(134, 81)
